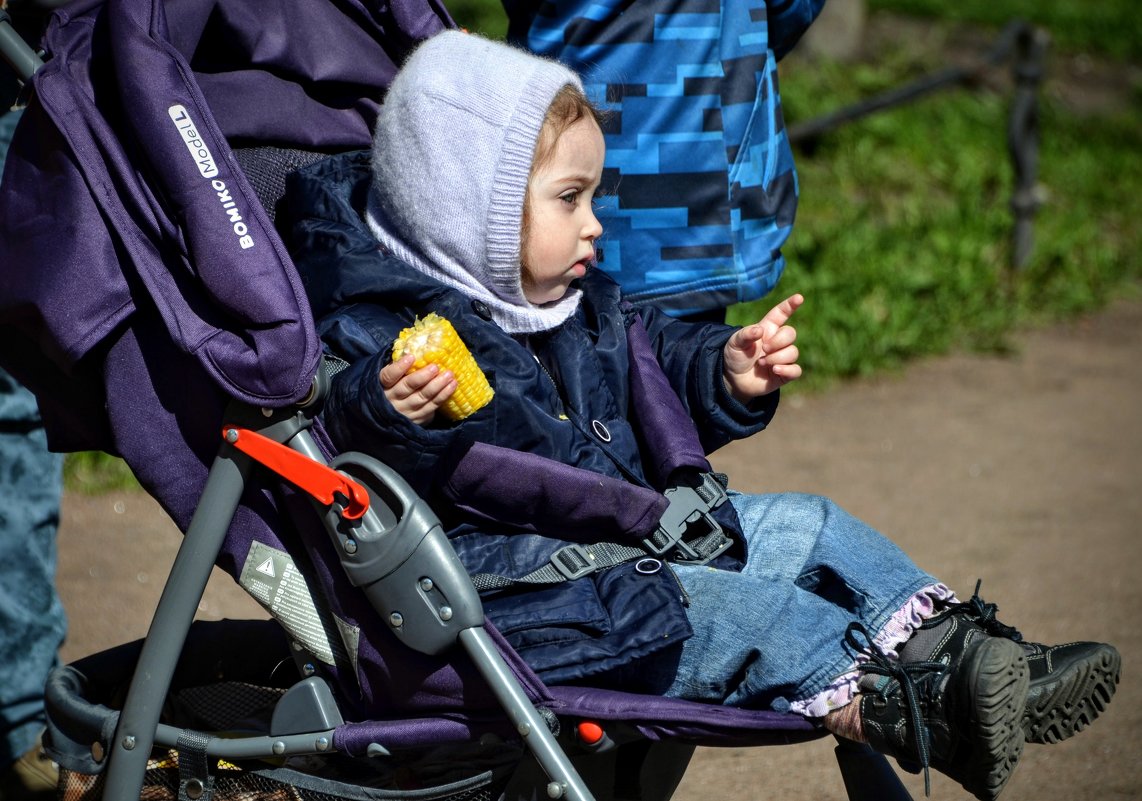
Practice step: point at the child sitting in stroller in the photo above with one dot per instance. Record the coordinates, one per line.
(476, 205)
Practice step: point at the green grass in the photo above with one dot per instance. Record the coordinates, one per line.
(1110, 28)
(485, 17)
(903, 238)
(93, 473)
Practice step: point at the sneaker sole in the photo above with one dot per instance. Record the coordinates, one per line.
(997, 678)
(1073, 699)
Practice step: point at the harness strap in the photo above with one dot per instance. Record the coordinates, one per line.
(567, 564)
(673, 540)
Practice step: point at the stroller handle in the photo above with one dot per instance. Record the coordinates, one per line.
(16, 53)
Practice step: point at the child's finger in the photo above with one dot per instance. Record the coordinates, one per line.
(444, 392)
(417, 380)
(744, 337)
(788, 372)
(783, 337)
(411, 385)
(784, 356)
(779, 315)
(440, 388)
(392, 372)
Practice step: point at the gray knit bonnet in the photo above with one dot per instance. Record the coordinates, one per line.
(452, 153)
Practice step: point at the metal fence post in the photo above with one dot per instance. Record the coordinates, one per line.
(1023, 139)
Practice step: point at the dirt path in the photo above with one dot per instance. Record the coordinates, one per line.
(1023, 471)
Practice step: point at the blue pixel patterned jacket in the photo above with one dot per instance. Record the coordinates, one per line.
(700, 187)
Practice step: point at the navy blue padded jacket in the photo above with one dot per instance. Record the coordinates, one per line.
(576, 446)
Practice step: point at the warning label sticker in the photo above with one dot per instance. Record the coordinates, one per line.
(271, 577)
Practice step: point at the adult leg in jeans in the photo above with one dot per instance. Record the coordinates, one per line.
(32, 623)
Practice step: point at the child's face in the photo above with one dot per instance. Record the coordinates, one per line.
(559, 242)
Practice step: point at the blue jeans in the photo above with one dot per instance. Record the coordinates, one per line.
(774, 633)
(32, 622)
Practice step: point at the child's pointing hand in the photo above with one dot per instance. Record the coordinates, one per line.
(762, 357)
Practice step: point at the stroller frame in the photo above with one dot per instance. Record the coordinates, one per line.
(138, 726)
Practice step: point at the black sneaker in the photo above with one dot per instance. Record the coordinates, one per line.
(1071, 684)
(953, 703)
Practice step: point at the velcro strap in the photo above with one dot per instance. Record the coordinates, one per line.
(194, 780)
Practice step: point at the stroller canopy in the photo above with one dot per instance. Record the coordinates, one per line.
(122, 195)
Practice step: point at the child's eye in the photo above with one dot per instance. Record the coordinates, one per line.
(571, 197)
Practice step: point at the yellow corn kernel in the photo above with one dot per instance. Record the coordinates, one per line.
(433, 340)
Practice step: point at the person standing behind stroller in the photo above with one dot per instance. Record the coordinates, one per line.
(476, 205)
(32, 618)
(701, 186)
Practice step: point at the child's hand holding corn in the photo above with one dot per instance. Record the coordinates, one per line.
(417, 394)
(432, 369)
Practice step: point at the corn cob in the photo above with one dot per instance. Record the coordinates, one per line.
(433, 340)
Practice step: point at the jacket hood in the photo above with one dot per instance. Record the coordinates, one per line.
(452, 155)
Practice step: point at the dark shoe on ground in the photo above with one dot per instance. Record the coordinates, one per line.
(953, 702)
(1071, 684)
(32, 777)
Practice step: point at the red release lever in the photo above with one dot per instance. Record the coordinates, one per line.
(322, 482)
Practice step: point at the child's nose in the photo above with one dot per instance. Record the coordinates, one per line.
(594, 228)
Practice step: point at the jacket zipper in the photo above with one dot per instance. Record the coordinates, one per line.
(558, 395)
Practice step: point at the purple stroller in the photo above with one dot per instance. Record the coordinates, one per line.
(149, 302)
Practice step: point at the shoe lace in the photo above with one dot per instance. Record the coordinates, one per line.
(984, 616)
(917, 694)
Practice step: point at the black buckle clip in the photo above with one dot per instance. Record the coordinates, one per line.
(573, 561)
(689, 506)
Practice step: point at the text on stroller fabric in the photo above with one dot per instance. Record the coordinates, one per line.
(207, 168)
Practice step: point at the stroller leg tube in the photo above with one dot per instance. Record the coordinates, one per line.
(566, 782)
(135, 733)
